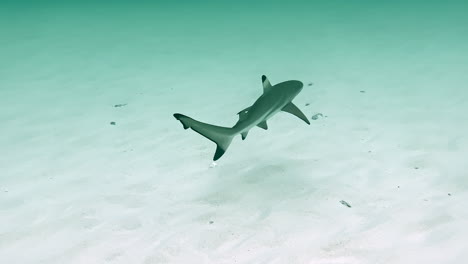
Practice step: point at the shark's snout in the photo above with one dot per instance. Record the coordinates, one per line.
(296, 86)
(300, 85)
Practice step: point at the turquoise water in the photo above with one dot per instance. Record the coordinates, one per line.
(389, 78)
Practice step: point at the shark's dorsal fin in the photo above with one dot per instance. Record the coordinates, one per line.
(263, 125)
(266, 84)
(243, 113)
(292, 109)
(244, 134)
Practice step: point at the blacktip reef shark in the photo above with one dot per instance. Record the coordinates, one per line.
(273, 100)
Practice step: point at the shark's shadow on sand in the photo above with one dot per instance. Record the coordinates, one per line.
(262, 185)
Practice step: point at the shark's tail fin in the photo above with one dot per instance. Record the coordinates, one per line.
(222, 136)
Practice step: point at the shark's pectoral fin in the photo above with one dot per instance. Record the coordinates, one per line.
(292, 109)
(263, 125)
(244, 134)
(243, 113)
(266, 84)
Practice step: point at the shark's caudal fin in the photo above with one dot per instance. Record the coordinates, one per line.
(222, 136)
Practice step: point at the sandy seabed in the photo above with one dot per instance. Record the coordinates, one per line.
(392, 142)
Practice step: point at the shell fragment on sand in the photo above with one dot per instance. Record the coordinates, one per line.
(343, 202)
(316, 116)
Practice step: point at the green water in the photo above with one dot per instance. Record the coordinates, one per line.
(390, 79)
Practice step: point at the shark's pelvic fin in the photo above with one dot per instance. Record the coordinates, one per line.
(266, 84)
(292, 109)
(244, 134)
(243, 114)
(263, 125)
(222, 136)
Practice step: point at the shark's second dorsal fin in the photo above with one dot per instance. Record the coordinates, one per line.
(266, 84)
(244, 134)
(292, 109)
(263, 125)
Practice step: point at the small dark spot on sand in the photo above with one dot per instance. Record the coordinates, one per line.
(370, 151)
(449, 194)
(120, 105)
(398, 186)
(416, 168)
(307, 104)
(345, 203)
(310, 84)
(362, 91)
(211, 222)
(112, 123)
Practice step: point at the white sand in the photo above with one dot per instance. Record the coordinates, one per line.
(75, 189)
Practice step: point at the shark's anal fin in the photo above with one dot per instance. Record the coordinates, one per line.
(266, 84)
(243, 113)
(292, 109)
(263, 125)
(244, 134)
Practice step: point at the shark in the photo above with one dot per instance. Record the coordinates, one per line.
(274, 99)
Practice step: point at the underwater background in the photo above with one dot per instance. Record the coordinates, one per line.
(95, 169)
